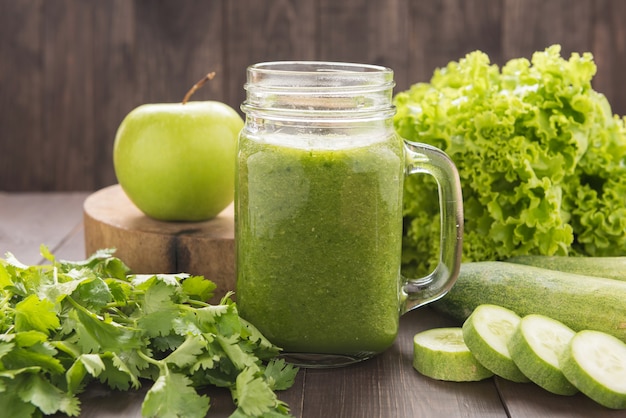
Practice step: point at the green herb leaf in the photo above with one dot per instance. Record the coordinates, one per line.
(69, 323)
(99, 334)
(187, 353)
(35, 314)
(197, 287)
(46, 396)
(280, 375)
(253, 395)
(29, 349)
(13, 406)
(173, 396)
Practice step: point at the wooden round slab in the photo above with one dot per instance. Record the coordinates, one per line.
(150, 246)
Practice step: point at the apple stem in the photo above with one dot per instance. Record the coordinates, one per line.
(199, 84)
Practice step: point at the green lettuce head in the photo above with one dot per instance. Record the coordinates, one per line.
(541, 157)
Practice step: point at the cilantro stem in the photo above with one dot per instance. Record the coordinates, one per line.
(76, 305)
(5, 306)
(162, 366)
(197, 303)
(80, 307)
(5, 300)
(115, 311)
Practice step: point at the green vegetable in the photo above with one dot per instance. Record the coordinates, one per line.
(580, 302)
(486, 333)
(595, 363)
(441, 353)
(608, 267)
(541, 157)
(65, 324)
(535, 347)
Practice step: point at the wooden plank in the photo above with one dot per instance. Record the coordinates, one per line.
(150, 52)
(265, 31)
(529, 400)
(21, 77)
(174, 44)
(64, 148)
(28, 220)
(608, 44)
(389, 383)
(72, 247)
(70, 71)
(446, 30)
(96, 61)
(115, 90)
(294, 396)
(533, 25)
(369, 32)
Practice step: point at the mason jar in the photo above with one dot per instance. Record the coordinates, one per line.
(318, 211)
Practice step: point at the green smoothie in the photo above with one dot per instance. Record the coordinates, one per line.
(318, 235)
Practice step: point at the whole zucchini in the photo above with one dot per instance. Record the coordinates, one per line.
(580, 302)
(608, 267)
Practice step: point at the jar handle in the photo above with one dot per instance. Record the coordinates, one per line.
(422, 158)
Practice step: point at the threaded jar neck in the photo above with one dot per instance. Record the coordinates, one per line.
(317, 90)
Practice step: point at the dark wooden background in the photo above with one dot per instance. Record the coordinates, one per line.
(70, 70)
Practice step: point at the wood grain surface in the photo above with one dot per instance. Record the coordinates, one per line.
(70, 70)
(150, 246)
(383, 387)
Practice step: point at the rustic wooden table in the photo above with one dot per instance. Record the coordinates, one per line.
(386, 386)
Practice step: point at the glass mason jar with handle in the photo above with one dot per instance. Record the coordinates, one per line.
(318, 211)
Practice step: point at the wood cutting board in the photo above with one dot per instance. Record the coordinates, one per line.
(150, 246)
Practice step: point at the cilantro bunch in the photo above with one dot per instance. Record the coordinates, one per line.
(65, 324)
(541, 157)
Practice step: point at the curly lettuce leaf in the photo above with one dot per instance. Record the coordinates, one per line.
(540, 156)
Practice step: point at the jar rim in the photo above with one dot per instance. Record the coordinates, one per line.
(302, 76)
(316, 67)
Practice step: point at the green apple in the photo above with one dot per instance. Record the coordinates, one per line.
(176, 161)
